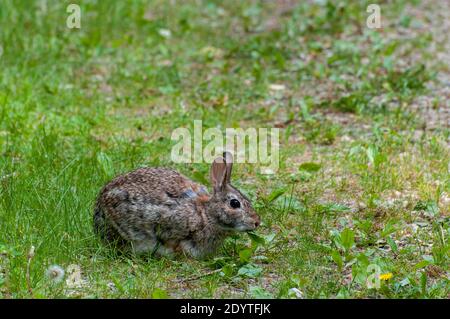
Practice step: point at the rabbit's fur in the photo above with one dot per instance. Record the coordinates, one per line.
(160, 211)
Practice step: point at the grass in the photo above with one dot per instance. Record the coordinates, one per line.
(79, 106)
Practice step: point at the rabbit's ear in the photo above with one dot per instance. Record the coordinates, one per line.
(218, 174)
(229, 162)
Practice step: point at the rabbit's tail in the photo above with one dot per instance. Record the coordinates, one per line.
(99, 221)
(103, 228)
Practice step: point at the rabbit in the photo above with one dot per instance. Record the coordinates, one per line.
(162, 212)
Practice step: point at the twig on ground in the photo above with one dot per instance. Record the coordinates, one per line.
(201, 275)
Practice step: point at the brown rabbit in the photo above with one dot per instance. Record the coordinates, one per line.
(158, 210)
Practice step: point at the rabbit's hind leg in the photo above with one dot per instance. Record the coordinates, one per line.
(144, 246)
(153, 247)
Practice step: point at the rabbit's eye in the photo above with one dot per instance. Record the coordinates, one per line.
(235, 203)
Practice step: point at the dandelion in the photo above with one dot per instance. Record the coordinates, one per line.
(386, 276)
(55, 273)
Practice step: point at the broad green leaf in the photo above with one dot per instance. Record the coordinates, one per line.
(259, 293)
(422, 264)
(371, 153)
(250, 271)
(159, 293)
(337, 259)
(268, 238)
(258, 240)
(389, 228)
(227, 270)
(245, 255)
(363, 260)
(275, 194)
(347, 239)
(392, 244)
(335, 208)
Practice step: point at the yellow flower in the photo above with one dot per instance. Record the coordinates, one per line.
(386, 276)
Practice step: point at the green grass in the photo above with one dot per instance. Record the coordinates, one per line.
(79, 106)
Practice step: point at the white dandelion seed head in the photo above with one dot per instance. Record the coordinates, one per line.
(55, 273)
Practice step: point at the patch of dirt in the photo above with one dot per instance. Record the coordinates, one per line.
(433, 17)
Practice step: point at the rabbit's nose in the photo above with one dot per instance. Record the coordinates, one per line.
(257, 221)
